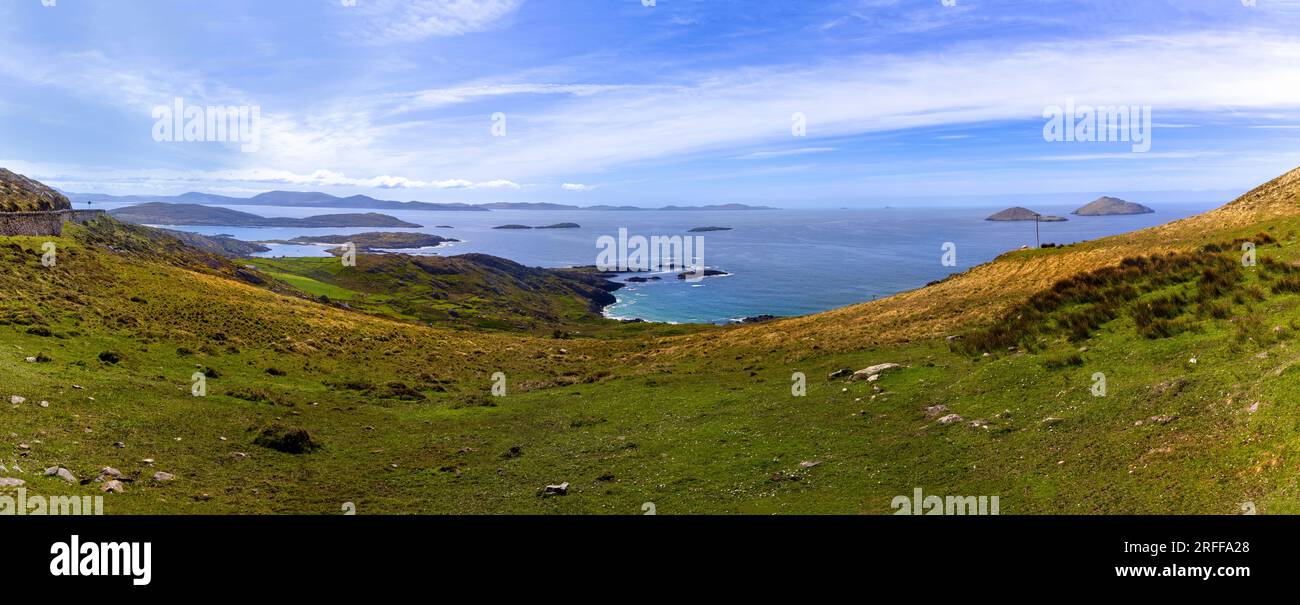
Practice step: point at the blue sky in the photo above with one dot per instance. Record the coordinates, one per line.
(685, 101)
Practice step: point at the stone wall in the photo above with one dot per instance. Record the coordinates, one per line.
(42, 223)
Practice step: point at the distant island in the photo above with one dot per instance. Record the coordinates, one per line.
(705, 273)
(316, 199)
(555, 226)
(372, 240)
(158, 213)
(1017, 213)
(707, 229)
(1109, 206)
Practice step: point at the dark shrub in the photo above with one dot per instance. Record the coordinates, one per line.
(290, 440)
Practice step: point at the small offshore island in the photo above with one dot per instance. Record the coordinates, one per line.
(1018, 213)
(708, 229)
(375, 240)
(1110, 206)
(555, 226)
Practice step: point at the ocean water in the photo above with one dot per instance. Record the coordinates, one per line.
(781, 262)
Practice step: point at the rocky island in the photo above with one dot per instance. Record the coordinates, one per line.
(1017, 213)
(1110, 206)
(196, 215)
(705, 273)
(374, 240)
(708, 229)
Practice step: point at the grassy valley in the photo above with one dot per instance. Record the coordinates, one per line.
(389, 368)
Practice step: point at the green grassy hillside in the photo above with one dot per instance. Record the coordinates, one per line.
(1198, 354)
(21, 194)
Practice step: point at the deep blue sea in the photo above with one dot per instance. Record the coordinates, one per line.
(782, 262)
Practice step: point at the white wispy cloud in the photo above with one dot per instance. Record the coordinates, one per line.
(739, 112)
(575, 187)
(409, 20)
(781, 153)
(872, 93)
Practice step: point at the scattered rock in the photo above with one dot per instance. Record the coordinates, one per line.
(110, 473)
(935, 410)
(809, 463)
(951, 418)
(16, 400)
(557, 490)
(980, 423)
(119, 445)
(31, 360)
(45, 404)
(1050, 420)
(840, 373)
(114, 487)
(1254, 407)
(62, 473)
(11, 482)
(1163, 418)
(239, 456)
(1171, 387)
(161, 477)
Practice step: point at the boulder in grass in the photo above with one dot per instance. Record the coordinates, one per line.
(557, 490)
(62, 473)
(880, 368)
